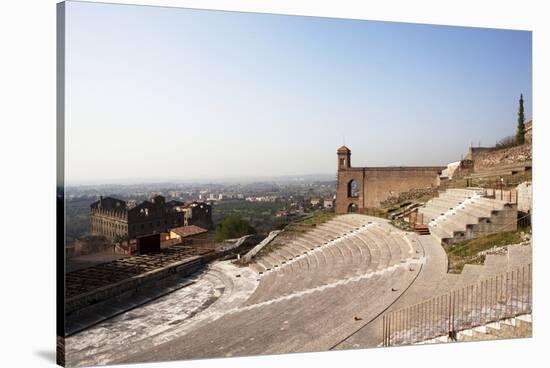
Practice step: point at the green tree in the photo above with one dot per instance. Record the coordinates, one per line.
(520, 133)
(233, 227)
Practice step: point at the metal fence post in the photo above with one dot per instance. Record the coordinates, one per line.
(384, 331)
(390, 330)
(492, 298)
(451, 312)
(501, 296)
(529, 298)
(512, 287)
(508, 289)
(477, 308)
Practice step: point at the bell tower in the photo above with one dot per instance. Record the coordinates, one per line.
(344, 158)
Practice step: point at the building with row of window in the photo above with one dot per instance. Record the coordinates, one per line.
(117, 220)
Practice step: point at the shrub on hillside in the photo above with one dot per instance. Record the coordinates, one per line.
(506, 142)
(233, 227)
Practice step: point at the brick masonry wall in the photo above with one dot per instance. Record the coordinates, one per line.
(342, 200)
(377, 184)
(384, 183)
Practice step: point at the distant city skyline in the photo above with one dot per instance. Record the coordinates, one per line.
(158, 94)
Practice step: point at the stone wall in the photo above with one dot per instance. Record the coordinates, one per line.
(489, 159)
(475, 151)
(525, 196)
(529, 131)
(411, 195)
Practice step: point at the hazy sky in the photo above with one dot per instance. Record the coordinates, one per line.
(174, 94)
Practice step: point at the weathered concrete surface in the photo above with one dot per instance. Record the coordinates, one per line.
(313, 319)
(164, 319)
(102, 311)
(432, 272)
(87, 287)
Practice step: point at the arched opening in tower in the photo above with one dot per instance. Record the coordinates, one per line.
(353, 189)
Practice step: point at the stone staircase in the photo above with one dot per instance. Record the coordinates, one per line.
(462, 214)
(421, 229)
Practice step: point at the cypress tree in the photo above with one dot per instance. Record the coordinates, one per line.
(520, 134)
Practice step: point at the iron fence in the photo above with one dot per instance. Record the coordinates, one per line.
(498, 192)
(503, 296)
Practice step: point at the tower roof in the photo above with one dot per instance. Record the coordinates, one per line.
(343, 149)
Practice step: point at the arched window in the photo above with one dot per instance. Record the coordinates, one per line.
(353, 189)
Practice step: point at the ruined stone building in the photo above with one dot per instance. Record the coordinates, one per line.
(115, 219)
(196, 213)
(359, 188)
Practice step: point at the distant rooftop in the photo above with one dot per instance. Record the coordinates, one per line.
(186, 231)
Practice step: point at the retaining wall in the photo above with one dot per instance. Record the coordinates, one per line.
(492, 158)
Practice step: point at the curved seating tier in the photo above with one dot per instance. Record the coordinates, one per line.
(344, 247)
(307, 322)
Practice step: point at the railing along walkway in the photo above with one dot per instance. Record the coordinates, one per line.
(503, 296)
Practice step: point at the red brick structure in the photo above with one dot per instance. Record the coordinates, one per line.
(359, 188)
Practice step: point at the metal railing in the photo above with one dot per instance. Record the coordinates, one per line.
(508, 195)
(503, 296)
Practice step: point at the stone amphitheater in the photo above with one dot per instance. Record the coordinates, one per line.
(330, 288)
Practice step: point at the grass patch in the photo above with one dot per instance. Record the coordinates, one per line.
(401, 224)
(376, 212)
(317, 219)
(295, 229)
(267, 249)
(470, 251)
(426, 197)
